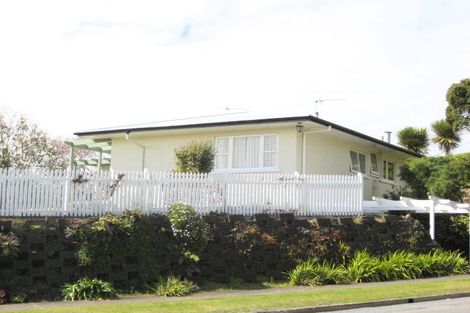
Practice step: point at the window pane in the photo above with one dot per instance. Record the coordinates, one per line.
(391, 171)
(221, 161)
(270, 143)
(221, 145)
(246, 152)
(354, 161)
(374, 164)
(269, 159)
(362, 162)
(384, 169)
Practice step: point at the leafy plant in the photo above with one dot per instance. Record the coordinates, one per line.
(458, 109)
(443, 177)
(9, 244)
(114, 237)
(414, 139)
(189, 229)
(447, 137)
(173, 286)
(312, 273)
(363, 267)
(195, 157)
(18, 297)
(440, 263)
(88, 289)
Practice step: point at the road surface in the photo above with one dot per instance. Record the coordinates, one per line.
(460, 305)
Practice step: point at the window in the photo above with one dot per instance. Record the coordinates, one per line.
(246, 152)
(388, 170)
(358, 162)
(374, 164)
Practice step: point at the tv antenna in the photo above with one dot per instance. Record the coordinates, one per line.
(320, 100)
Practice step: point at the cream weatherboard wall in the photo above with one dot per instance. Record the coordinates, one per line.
(325, 153)
(160, 147)
(328, 154)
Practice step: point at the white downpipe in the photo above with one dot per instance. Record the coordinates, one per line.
(304, 144)
(139, 145)
(432, 228)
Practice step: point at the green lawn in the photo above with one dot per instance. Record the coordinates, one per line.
(313, 297)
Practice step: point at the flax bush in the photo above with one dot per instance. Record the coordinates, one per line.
(364, 267)
(313, 273)
(88, 289)
(173, 286)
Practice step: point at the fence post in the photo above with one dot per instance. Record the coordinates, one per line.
(66, 190)
(361, 191)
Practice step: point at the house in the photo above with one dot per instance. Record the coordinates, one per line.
(246, 142)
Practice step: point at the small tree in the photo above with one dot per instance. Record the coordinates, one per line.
(195, 157)
(23, 144)
(458, 109)
(414, 139)
(443, 177)
(447, 138)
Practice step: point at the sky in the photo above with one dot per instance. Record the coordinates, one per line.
(77, 65)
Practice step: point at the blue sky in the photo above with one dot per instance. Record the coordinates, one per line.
(73, 65)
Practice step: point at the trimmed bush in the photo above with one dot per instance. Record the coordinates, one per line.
(195, 157)
(88, 289)
(173, 286)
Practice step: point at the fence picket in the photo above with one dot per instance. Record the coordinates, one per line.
(38, 192)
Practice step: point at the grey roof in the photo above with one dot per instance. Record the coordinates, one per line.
(232, 118)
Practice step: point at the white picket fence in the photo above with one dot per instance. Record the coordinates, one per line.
(75, 193)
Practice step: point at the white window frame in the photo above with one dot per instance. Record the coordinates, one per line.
(351, 164)
(385, 170)
(261, 155)
(373, 173)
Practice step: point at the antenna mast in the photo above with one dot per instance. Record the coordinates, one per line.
(320, 100)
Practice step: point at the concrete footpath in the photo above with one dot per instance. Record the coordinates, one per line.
(231, 293)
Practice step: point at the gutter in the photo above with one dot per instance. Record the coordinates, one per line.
(248, 122)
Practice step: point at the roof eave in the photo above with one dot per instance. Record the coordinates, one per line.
(247, 122)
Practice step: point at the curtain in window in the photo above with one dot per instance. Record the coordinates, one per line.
(246, 152)
(222, 153)
(270, 151)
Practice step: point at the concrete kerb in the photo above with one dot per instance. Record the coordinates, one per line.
(370, 304)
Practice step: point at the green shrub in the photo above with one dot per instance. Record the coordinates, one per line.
(441, 263)
(405, 265)
(312, 273)
(195, 157)
(88, 289)
(114, 237)
(443, 177)
(398, 265)
(18, 297)
(173, 286)
(8, 244)
(363, 267)
(189, 229)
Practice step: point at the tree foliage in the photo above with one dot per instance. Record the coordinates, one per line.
(414, 139)
(195, 157)
(458, 109)
(443, 177)
(23, 145)
(447, 137)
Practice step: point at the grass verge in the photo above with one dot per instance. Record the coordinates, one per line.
(288, 299)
